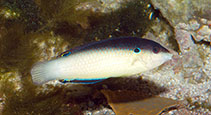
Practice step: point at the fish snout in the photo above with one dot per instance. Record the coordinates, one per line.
(168, 56)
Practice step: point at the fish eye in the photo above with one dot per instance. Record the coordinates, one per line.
(156, 50)
(67, 53)
(137, 50)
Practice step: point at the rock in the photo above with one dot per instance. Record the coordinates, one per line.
(182, 11)
(194, 25)
(209, 100)
(187, 74)
(103, 6)
(184, 40)
(101, 111)
(203, 21)
(204, 33)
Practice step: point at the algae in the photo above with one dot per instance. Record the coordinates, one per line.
(25, 12)
(22, 97)
(130, 20)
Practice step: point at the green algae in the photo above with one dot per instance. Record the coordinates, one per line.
(130, 20)
(17, 57)
(16, 50)
(26, 12)
(22, 97)
(63, 11)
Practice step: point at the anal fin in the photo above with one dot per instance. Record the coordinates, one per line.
(82, 81)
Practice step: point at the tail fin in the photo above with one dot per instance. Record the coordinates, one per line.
(43, 72)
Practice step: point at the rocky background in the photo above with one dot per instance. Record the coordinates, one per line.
(38, 30)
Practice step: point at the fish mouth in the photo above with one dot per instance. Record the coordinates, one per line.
(168, 56)
(172, 52)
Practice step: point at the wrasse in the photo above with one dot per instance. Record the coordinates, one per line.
(94, 62)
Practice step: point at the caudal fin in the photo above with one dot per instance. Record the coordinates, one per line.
(43, 72)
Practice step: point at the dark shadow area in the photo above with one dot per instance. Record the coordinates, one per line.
(126, 86)
(125, 90)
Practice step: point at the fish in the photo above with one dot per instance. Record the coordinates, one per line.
(97, 61)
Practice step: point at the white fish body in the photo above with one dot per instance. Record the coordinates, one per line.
(108, 58)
